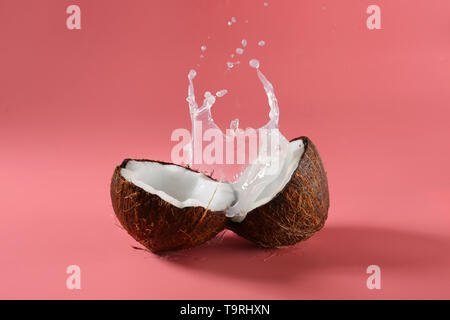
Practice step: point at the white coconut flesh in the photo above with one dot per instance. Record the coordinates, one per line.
(186, 188)
(179, 186)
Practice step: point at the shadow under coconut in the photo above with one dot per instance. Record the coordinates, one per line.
(333, 247)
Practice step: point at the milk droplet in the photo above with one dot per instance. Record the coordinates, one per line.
(192, 74)
(239, 51)
(261, 43)
(221, 93)
(244, 43)
(254, 63)
(203, 48)
(229, 23)
(266, 4)
(234, 124)
(233, 19)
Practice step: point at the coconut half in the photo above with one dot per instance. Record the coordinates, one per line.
(294, 206)
(166, 207)
(275, 178)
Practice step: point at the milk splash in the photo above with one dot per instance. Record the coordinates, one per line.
(251, 179)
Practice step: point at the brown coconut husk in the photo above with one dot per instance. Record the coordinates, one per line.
(297, 212)
(157, 224)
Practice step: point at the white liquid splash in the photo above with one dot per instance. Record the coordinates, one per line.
(230, 23)
(251, 179)
(221, 93)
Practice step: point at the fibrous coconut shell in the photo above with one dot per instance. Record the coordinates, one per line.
(157, 224)
(297, 212)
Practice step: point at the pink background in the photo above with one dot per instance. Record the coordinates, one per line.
(74, 103)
